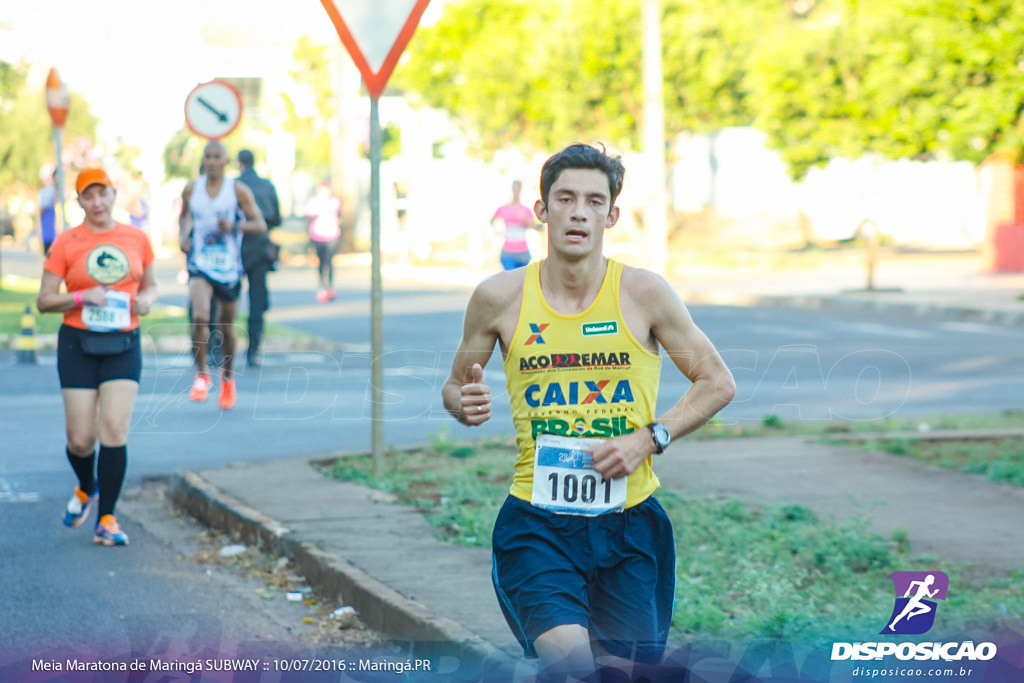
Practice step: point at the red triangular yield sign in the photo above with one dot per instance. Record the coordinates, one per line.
(375, 33)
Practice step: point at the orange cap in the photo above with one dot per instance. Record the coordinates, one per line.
(92, 176)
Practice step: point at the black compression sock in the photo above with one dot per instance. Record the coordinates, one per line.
(111, 466)
(85, 468)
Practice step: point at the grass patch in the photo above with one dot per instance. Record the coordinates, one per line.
(17, 293)
(772, 425)
(999, 460)
(162, 321)
(741, 572)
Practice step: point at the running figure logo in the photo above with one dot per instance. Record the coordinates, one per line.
(916, 592)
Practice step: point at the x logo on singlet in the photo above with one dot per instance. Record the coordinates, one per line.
(536, 328)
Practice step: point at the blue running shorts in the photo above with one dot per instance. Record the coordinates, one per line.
(79, 370)
(510, 260)
(613, 574)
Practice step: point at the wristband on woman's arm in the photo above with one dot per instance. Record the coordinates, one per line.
(78, 297)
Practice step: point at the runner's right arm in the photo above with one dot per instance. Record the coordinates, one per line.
(465, 394)
(52, 300)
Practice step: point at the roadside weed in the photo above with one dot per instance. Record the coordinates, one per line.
(998, 460)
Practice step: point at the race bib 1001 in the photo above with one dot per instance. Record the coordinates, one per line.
(115, 315)
(564, 480)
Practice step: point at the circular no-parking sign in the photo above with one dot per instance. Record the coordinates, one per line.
(213, 109)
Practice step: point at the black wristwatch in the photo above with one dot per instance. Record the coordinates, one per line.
(662, 438)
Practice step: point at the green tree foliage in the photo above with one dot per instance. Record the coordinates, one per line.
(542, 74)
(484, 63)
(310, 111)
(182, 155)
(913, 79)
(312, 121)
(705, 55)
(127, 157)
(26, 132)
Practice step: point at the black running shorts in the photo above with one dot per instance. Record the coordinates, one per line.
(221, 291)
(613, 574)
(79, 370)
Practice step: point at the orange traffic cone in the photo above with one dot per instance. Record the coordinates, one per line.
(27, 339)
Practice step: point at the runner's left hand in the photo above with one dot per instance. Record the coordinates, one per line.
(619, 457)
(140, 305)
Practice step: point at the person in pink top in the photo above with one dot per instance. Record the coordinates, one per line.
(324, 211)
(518, 218)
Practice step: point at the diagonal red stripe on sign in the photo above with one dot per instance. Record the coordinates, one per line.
(375, 80)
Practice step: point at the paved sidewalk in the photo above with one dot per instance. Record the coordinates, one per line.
(359, 547)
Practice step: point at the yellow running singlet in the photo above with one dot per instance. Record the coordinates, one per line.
(579, 375)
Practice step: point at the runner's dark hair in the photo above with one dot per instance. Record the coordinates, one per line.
(581, 156)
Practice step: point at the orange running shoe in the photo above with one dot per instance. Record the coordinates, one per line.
(200, 388)
(78, 507)
(108, 532)
(228, 394)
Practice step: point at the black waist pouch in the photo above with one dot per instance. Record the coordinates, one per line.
(108, 343)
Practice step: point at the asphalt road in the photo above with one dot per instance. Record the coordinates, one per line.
(62, 594)
(793, 363)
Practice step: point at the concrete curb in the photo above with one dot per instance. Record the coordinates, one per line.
(379, 606)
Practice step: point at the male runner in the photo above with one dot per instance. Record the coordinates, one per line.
(215, 212)
(584, 558)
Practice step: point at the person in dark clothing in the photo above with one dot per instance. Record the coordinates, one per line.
(259, 253)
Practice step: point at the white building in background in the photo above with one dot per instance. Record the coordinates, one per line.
(932, 203)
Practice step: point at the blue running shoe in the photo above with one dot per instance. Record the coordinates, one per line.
(108, 532)
(79, 506)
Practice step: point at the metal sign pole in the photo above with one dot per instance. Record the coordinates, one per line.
(372, 23)
(58, 182)
(376, 293)
(58, 102)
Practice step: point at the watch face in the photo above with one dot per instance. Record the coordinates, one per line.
(661, 435)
